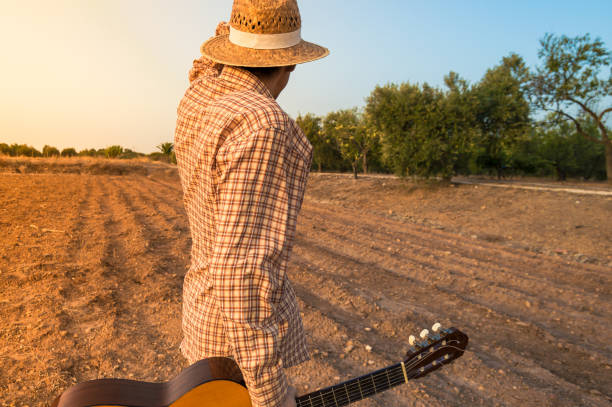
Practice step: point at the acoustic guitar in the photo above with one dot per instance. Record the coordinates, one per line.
(217, 382)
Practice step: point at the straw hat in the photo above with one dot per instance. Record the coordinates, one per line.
(263, 33)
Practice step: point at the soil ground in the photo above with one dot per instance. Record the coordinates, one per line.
(91, 269)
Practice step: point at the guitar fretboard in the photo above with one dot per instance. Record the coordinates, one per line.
(354, 390)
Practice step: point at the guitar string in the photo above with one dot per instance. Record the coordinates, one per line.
(319, 401)
(314, 402)
(399, 374)
(354, 394)
(358, 393)
(349, 397)
(344, 395)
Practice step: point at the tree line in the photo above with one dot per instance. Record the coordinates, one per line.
(546, 121)
(165, 153)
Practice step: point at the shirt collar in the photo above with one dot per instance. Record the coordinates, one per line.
(244, 80)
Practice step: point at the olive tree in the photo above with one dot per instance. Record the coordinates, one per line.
(353, 136)
(575, 79)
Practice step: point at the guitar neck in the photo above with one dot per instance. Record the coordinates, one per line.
(354, 390)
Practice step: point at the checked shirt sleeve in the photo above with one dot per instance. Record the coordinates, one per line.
(246, 265)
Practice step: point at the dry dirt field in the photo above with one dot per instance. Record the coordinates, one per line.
(92, 260)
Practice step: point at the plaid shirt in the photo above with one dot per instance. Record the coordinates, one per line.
(243, 165)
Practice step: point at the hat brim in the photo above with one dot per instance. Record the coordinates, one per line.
(221, 50)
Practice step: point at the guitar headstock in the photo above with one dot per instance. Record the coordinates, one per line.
(433, 349)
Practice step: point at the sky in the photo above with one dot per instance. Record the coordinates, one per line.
(95, 73)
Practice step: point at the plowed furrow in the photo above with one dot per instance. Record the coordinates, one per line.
(34, 287)
(335, 364)
(555, 316)
(138, 270)
(487, 326)
(561, 303)
(439, 256)
(89, 292)
(445, 387)
(167, 214)
(465, 273)
(590, 276)
(172, 188)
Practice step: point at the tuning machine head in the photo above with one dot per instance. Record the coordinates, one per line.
(426, 338)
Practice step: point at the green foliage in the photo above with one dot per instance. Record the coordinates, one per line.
(113, 151)
(128, 154)
(574, 79)
(325, 152)
(15, 150)
(352, 137)
(501, 113)
(166, 148)
(570, 73)
(158, 156)
(68, 152)
(566, 153)
(342, 140)
(88, 152)
(49, 151)
(526, 156)
(394, 111)
(424, 130)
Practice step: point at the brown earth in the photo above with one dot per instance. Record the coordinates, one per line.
(91, 271)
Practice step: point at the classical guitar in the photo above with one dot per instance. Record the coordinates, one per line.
(217, 382)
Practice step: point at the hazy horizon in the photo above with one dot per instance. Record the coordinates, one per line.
(101, 73)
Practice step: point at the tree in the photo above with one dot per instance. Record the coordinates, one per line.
(325, 152)
(570, 82)
(460, 107)
(568, 153)
(113, 151)
(88, 152)
(424, 131)
(166, 148)
(502, 112)
(394, 111)
(557, 151)
(355, 140)
(49, 151)
(68, 152)
(129, 154)
(15, 150)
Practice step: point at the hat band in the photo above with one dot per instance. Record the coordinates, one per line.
(265, 41)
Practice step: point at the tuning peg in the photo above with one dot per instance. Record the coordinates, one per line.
(424, 333)
(436, 327)
(411, 340)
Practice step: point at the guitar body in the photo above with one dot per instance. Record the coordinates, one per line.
(213, 382)
(216, 393)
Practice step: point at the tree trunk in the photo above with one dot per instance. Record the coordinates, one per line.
(561, 175)
(365, 163)
(355, 169)
(319, 165)
(608, 145)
